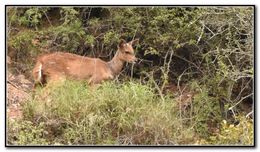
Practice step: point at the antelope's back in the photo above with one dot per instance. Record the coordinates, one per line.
(70, 65)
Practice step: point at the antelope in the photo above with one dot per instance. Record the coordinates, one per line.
(58, 66)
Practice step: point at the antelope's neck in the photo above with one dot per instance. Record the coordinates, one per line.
(116, 65)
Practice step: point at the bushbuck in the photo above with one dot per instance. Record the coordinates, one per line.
(59, 65)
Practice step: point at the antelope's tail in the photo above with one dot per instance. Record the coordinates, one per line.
(37, 72)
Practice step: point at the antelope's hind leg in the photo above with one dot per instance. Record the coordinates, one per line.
(55, 79)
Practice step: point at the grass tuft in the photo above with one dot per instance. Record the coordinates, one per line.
(130, 113)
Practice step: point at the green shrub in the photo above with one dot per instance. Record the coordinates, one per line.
(72, 113)
(26, 133)
(233, 135)
(208, 49)
(110, 114)
(128, 113)
(241, 134)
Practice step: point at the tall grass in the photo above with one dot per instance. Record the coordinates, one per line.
(112, 114)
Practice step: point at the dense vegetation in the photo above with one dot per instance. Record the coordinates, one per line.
(193, 83)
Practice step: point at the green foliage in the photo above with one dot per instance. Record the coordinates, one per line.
(151, 51)
(26, 133)
(30, 17)
(90, 40)
(106, 115)
(206, 111)
(71, 113)
(241, 134)
(209, 49)
(22, 41)
(69, 15)
(68, 37)
(22, 49)
(235, 135)
(111, 37)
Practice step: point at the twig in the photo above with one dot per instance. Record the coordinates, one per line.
(132, 70)
(250, 113)
(209, 29)
(231, 108)
(167, 67)
(13, 84)
(189, 62)
(156, 85)
(239, 95)
(89, 13)
(135, 31)
(202, 31)
(181, 91)
(47, 18)
(16, 86)
(141, 60)
(179, 79)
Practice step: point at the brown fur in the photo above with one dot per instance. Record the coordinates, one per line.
(59, 65)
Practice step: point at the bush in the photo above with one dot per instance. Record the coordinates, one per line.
(127, 113)
(26, 133)
(122, 114)
(233, 135)
(207, 49)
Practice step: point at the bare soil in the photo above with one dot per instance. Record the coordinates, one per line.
(18, 91)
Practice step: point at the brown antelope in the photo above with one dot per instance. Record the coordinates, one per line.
(59, 65)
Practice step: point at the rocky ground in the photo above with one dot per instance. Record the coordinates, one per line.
(18, 91)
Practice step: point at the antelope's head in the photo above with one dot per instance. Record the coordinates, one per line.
(126, 51)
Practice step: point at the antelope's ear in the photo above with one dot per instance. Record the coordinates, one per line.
(121, 43)
(134, 42)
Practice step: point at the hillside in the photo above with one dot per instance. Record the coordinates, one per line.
(192, 84)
